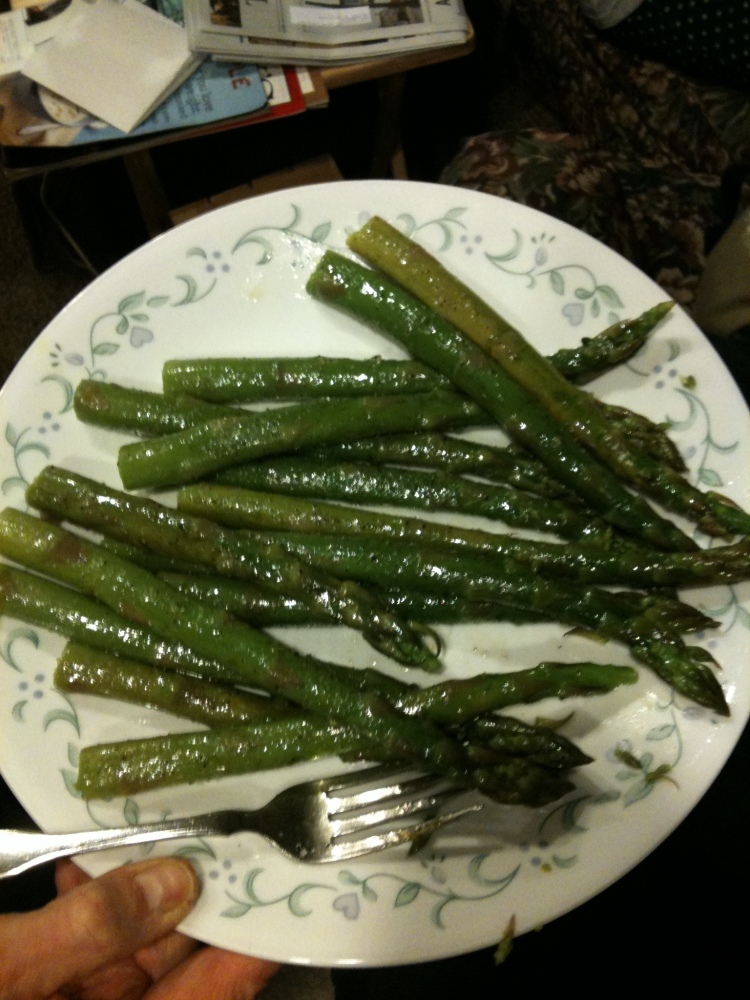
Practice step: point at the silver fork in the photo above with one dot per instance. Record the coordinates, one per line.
(323, 820)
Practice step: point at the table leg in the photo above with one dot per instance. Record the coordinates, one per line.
(387, 155)
(148, 191)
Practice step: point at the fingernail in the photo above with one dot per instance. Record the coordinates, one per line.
(166, 885)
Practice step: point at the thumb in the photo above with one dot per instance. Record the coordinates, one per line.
(102, 921)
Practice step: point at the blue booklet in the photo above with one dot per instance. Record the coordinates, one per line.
(214, 92)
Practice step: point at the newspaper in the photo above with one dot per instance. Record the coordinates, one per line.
(327, 22)
(320, 32)
(295, 54)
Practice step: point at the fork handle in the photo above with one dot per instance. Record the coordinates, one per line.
(20, 850)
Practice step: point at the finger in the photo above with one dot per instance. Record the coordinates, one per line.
(158, 959)
(98, 923)
(69, 876)
(215, 974)
(134, 975)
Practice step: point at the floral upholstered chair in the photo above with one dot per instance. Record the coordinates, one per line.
(646, 159)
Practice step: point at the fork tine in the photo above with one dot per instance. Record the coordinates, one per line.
(361, 777)
(344, 827)
(369, 796)
(392, 838)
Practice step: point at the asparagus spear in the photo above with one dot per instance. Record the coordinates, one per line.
(82, 669)
(47, 605)
(254, 656)
(616, 564)
(426, 278)
(620, 341)
(40, 602)
(137, 765)
(146, 522)
(208, 447)
(107, 404)
(357, 290)
(505, 465)
(375, 484)
(646, 626)
(247, 380)
(263, 609)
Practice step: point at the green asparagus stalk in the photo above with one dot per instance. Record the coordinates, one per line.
(256, 657)
(425, 277)
(263, 609)
(375, 484)
(618, 564)
(107, 404)
(357, 290)
(128, 767)
(44, 604)
(504, 465)
(596, 355)
(646, 626)
(82, 669)
(41, 602)
(132, 766)
(145, 522)
(149, 413)
(247, 380)
(200, 450)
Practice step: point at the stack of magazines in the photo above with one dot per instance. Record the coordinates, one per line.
(321, 32)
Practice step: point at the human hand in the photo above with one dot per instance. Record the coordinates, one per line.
(114, 938)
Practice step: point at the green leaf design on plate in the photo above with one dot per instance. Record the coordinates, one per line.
(236, 910)
(407, 894)
(637, 792)
(709, 477)
(295, 899)
(190, 849)
(61, 715)
(131, 302)
(610, 296)
(557, 282)
(69, 777)
(73, 754)
(131, 812)
(12, 483)
(157, 300)
(122, 326)
(408, 223)
(564, 862)
(22, 632)
(197, 252)
(11, 436)
(139, 317)
(662, 732)
(583, 293)
(320, 233)
(17, 710)
(348, 878)
(106, 348)
(67, 389)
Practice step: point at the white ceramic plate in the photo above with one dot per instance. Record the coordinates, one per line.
(232, 283)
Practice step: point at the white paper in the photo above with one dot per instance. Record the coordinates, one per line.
(15, 45)
(118, 61)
